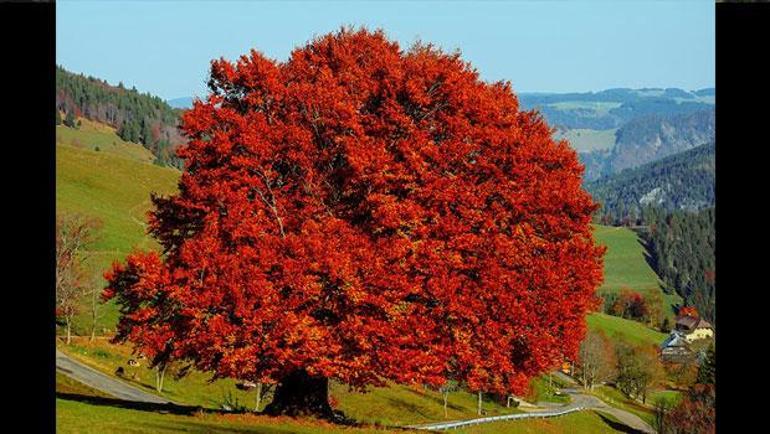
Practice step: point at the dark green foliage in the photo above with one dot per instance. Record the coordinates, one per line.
(681, 248)
(707, 369)
(137, 117)
(69, 120)
(683, 181)
(665, 326)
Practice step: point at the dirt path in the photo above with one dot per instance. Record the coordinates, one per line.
(104, 383)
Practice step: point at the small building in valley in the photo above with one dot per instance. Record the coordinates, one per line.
(676, 348)
(693, 328)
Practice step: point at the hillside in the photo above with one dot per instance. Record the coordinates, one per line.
(113, 185)
(136, 117)
(656, 136)
(612, 108)
(684, 181)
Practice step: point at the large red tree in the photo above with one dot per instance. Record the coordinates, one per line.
(363, 213)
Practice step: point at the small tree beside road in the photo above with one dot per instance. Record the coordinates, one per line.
(74, 232)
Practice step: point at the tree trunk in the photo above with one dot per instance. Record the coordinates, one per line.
(479, 406)
(94, 315)
(300, 394)
(160, 373)
(446, 396)
(69, 330)
(259, 396)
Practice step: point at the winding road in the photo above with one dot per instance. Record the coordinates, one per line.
(104, 383)
(580, 401)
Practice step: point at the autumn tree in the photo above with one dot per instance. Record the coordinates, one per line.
(690, 311)
(630, 304)
(596, 359)
(364, 213)
(707, 368)
(694, 414)
(638, 369)
(74, 232)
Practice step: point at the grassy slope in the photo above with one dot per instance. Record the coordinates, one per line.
(622, 329)
(81, 417)
(87, 413)
(91, 135)
(393, 405)
(624, 262)
(115, 189)
(625, 265)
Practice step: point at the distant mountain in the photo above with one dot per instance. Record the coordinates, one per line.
(184, 102)
(684, 181)
(655, 136)
(137, 117)
(612, 108)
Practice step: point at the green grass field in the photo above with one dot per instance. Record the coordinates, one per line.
(79, 409)
(117, 190)
(625, 266)
(92, 135)
(586, 140)
(626, 330)
(392, 405)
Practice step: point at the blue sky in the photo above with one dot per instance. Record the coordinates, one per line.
(165, 47)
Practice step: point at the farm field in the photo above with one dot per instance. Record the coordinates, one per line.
(587, 140)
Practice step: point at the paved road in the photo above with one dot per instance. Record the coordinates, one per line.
(121, 390)
(104, 383)
(579, 401)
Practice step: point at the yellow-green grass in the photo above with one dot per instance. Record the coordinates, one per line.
(68, 386)
(116, 190)
(585, 140)
(615, 398)
(626, 267)
(669, 395)
(579, 422)
(76, 416)
(92, 135)
(391, 405)
(82, 410)
(624, 263)
(620, 329)
(542, 391)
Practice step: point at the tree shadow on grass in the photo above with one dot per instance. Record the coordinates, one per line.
(617, 426)
(435, 399)
(186, 410)
(134, 405)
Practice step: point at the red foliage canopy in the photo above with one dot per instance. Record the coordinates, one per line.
(363, 213)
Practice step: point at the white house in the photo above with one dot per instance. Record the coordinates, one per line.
(694, 328)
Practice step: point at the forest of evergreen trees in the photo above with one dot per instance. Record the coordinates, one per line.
(681, 246)
(138, 117)
(683, 181)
